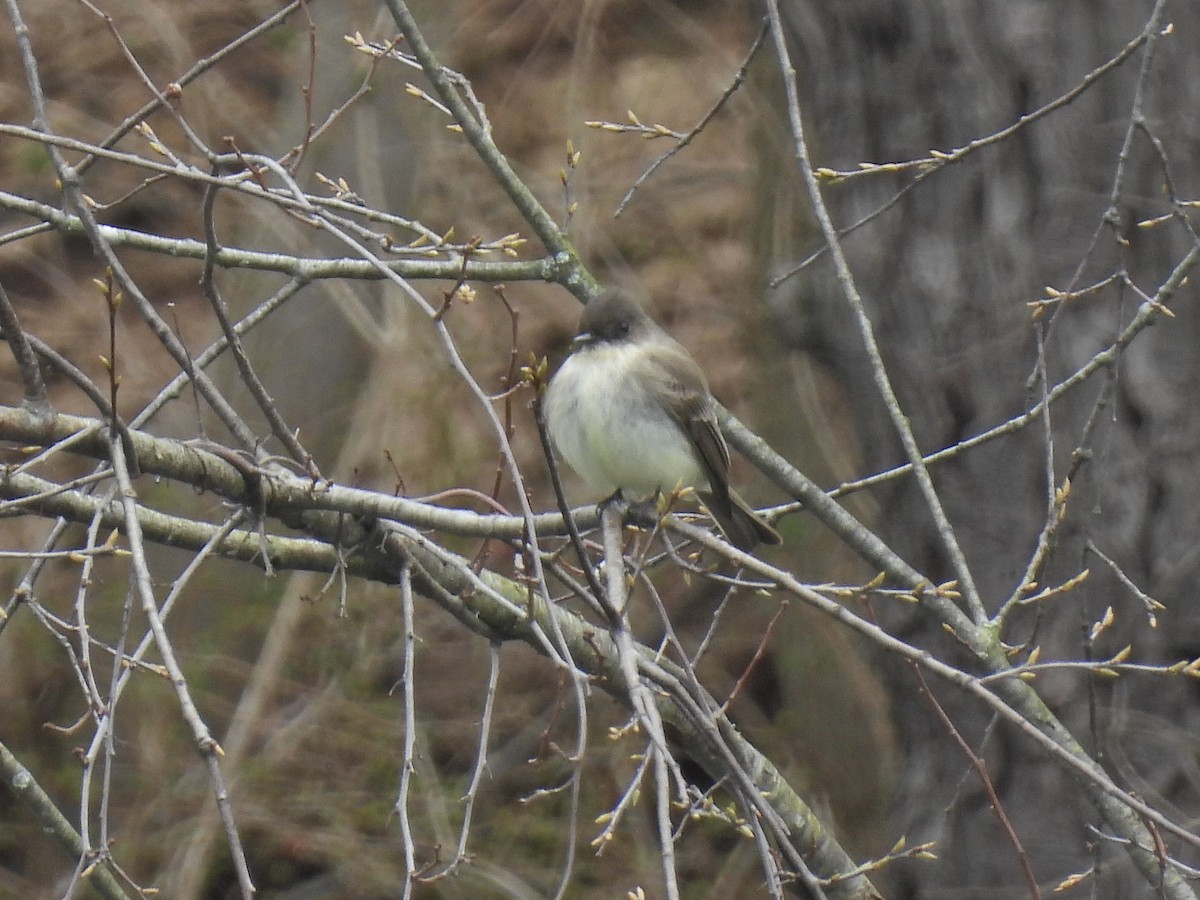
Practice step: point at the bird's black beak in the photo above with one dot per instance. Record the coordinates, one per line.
(581, 340)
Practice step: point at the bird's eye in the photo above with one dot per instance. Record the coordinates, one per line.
(622, 329)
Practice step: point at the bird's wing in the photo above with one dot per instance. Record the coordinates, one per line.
(696, 412)
(706, 435)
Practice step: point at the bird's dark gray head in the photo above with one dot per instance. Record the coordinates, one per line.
(612, 316)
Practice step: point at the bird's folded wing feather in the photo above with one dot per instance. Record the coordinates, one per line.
(693, 407)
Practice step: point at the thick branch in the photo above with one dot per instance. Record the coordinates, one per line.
(276, 492)
(488, 603)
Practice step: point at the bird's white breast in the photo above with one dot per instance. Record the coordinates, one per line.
(614, 432)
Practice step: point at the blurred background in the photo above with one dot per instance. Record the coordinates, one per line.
(303, 698)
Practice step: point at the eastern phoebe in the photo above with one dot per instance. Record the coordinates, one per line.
(630, 410)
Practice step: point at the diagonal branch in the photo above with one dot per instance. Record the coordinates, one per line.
(575, 276)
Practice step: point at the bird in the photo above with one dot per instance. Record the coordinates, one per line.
(630, 411)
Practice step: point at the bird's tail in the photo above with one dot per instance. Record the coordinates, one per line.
(745, 528)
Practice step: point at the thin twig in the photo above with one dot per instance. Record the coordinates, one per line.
(927, 167)
(408, 761)
(480, 767)
(31, 376)
(979, 765)
(866, 329)
(249, 377)
(209, 749)
(560, 498)
(738, 78)
(22, 783)
(639, 697)
(187, 77)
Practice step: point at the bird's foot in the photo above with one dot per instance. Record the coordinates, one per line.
(643, 514)
(640, 514)
(616, 498)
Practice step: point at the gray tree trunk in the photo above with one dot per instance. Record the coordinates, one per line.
(948, 272)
